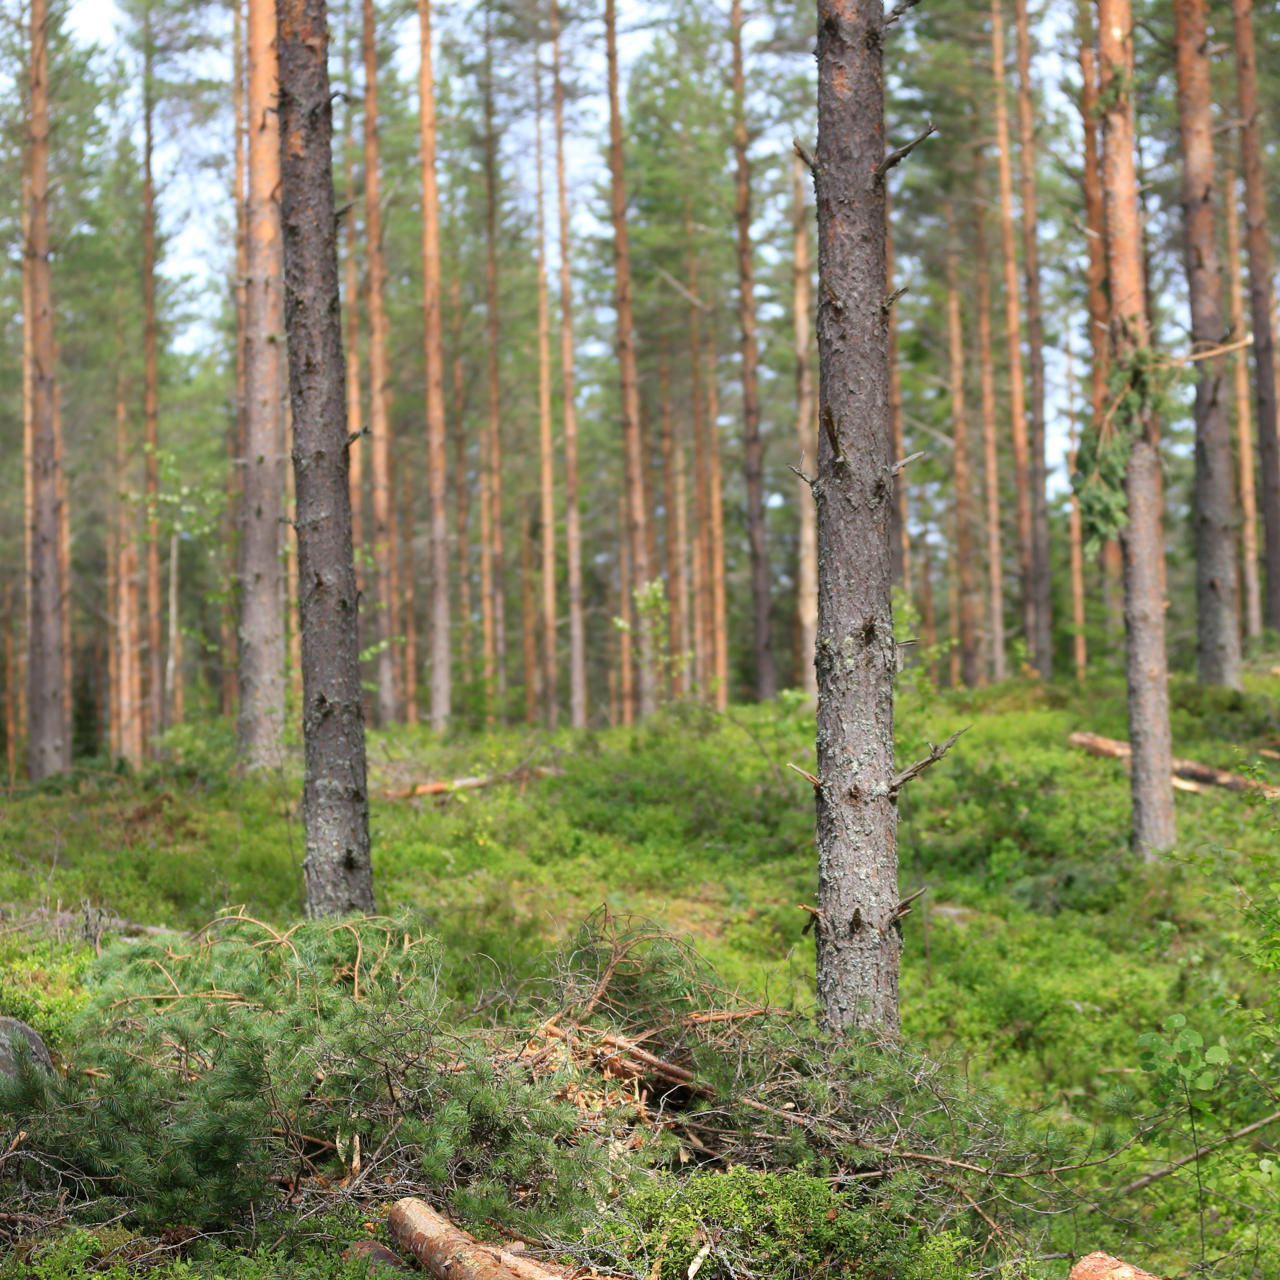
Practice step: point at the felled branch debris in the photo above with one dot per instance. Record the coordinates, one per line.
(450, 1254)
(1102, 1266)
(447, 786)
(1187, 770)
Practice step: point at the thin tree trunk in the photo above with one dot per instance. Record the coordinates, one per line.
(1217, 587)
(807, 443)
(1013, 335)
(528, 614)
(1244, 418)
(1153, 817)
(150, 397)
(335, 796)
(48, 746)
(128, 700)
(928, 610)
(675, 566)
(546, 473)
(637, 515)
(236, 441)
(965, 577)
(990, 448)
(953, 616)
(572, 519)
(1042, 644)
(384, 533)
(650, 490)
(624, 614)
(901, 544)
(1079, 646)
(64, 553)
(493, 536)
(704, 644)
(113, 647)
(173, 690)
(10, 687)
(262, 590)
(355, 410)
(719, 625)
(681, 631)
(858, 945)
(406, 524)
(28, 425)
(433, 342)
(462, 488)
(1258, 245)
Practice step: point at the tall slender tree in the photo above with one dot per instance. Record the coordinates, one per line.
(806, 438)
(1217, 590)
(335, 797)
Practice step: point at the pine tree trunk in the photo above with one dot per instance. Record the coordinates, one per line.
(384, 533)
(355, 410)
(1258, 245)
(969, 667)
(529, 614)
(10, 687)
(28, 428)
(1153, 825)
(262, 587)
(462, 488)
(64, 552)
(953, 615)
(675, 566)
(1217, 588)
(150, 399)
(636, 512)
(752, 446)
(990, 445)
(496, 635)
(719, 625)
(704, 644)
(406, 524)
(128, 699)
(173, 691)
(1244, 419)
(236, 441)
(1042, 643)
(1079, 646)
(858, 943)
(572, 519)
(625, 681)
(335, 797)
(1013, 337)
(901, 545)
(433, 341)
(928, 611)
(807, 443)
(48, 745)
(550, 688)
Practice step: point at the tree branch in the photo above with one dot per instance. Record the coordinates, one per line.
(805, 155)
(899, 154)
(898, 10)
(915, 770)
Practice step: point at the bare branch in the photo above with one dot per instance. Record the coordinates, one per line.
(805, 155)
(915, 770)
(903, 463)
(898, 10)
(682, 291)
(899, 154)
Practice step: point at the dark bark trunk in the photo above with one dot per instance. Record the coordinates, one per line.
(1217, 589)
(335, 798)
(858, 941)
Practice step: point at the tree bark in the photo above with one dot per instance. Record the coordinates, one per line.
(671, 465)
(1042, 644)
(990, 444)
(625, 676)
(858, 944)
(1013, 337)
(406, 525)
(1217, 588)
(449, 1254)
(636, 513)
(335, 798)
(128, 700)
(48, 744)
(928, 611)
(1153, 826)
(752, 446)
(10, 687)
(704, 643)
(1244, 419)
(355, 409)
(550, 688)
(433, 354)
(173, 689)
(901, 545)
(807, 443)
(1079, 647)
(966, 581)
(1258, 244)
(462, 488)
(715, 491)
(151, 396)
(529, 614)
(262, 585)
(572, 519)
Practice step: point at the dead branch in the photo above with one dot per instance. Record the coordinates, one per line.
(1189, 770)
(898, 10)
(915, 770)
(450, 1254)
(899, 154)
(447, 786)
(684, 292)
(806, 156)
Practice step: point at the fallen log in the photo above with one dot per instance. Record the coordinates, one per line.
(449, 1253)
(1187, 770)
(1102, 1266)
(447, 786)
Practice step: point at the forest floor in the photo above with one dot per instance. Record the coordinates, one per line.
(1039, 954)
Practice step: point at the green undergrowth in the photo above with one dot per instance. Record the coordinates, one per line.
(1041, 954)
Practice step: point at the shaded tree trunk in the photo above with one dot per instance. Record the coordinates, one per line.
(1244, 419)
(1258, 245)
(462, 488)
(752, 446)
(928, 610)
(901, 545)
(636, 512)
(1041, 644)
(1013, 335)
(355, 411)
(335, 796)
(719, 626)
(704, 643)
(625, 679)
(675, 565)
(990, 449)
(858, 945)
(262, 585)
(406, 524)
(807, 444)
(572, 519)
(1079, 646)
(528, 614)
(1142, 542)
(1217, 588)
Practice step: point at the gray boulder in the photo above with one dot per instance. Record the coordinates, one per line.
(11, 1031)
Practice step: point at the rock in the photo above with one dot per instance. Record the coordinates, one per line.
(11, 1030)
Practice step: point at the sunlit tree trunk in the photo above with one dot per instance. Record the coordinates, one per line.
(1149, 734)
(262, 588)
(807, 443)
(1244, 418)
(572, 519)
(626, 355)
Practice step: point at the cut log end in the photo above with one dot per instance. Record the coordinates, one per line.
(1102, 1266)
(448, 1253)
